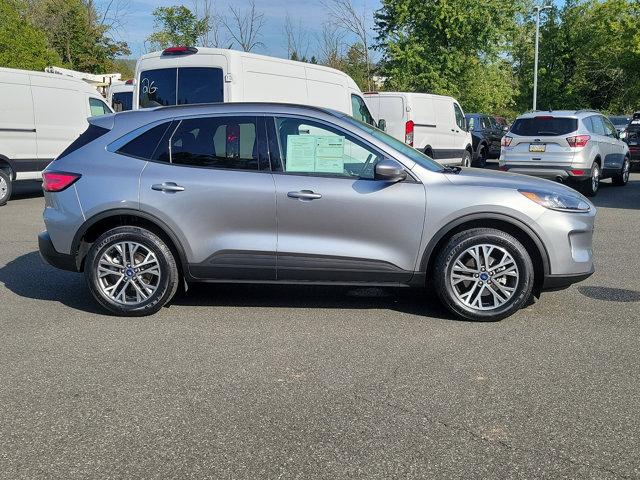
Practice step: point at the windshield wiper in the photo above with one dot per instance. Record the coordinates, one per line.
(448, 169)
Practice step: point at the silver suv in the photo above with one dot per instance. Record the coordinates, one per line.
(578, 147)
(149, 200)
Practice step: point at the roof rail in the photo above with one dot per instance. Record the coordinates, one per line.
(587, 110)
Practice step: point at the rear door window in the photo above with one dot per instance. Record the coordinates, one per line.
(216, 142)
(598, 125)
(147, 146)
(181, 86)
(544, 126)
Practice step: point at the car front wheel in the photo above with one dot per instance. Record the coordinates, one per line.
(483, 274)
(131, 271)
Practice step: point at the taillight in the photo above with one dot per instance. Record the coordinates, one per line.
(506, 141)
(129, 82)
(408, 133)
(179, 51)
(578, 141)
(58, 181)
(503, 168)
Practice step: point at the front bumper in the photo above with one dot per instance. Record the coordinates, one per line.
(53, 257)
(560, 282)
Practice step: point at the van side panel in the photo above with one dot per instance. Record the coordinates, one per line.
(272, 81)
(328, 89)
(393, 109)
(17, 126)
(60, 114)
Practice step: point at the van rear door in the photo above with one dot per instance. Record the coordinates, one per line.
(181, 80)
(393, 109)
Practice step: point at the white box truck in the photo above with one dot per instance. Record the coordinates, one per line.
(433, 124)
(40, 115)
(187, 75)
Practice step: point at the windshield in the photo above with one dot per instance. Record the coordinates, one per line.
(410, 152)
(619, 121)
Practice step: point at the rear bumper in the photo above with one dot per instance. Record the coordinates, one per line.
(53, 257)
(560, 282)
(563, 173)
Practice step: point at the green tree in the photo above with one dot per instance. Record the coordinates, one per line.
(176, 25)
(448, 46)
(21, 44)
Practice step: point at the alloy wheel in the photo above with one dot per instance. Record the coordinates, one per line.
(625, 171)
(4, 188)
(128, 273)
(595, 178)
(484, 277)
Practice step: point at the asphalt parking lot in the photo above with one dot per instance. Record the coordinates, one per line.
(309, 382)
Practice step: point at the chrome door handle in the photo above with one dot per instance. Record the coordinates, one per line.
(304, 195)
(167, 187)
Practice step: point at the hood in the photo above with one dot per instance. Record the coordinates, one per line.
(478, 177)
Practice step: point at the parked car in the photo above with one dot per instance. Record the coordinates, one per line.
(486, 134)
(502, 123)
(295, 194)
(633, 138)
(434, 124)
(620, 122)
(189, 75)
(120, 96)
(579, 147)
(41, 114)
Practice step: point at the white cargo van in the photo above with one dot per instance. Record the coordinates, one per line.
(186, 75)
(120, 96)
(433, 124)
(40, 115)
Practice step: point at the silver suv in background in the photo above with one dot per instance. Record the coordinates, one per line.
(579, 147)
(147, 200)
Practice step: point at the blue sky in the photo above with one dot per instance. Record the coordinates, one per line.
(138, 21)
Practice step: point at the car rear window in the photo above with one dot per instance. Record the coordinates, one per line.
(180, 86)
(544, 126)
(88, 136)
(122, 101)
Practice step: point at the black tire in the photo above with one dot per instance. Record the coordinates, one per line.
(166, 285)
(5, 187)
(590, 187)
(455, 247)
(466, 159)
(481, 157)
(620, 179)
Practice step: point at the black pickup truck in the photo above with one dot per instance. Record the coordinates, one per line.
(486, 134)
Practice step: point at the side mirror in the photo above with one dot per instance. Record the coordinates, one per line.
(382, 124)
(389, 171)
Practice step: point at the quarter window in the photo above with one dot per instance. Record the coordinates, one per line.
(360, 110)
(305, 147)
(459, 116)
(222, 142)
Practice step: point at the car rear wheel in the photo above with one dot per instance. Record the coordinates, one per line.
(481, 157)
(483, 274)
(621, 179)
(590, 186)
(131, 271)
(5, 187)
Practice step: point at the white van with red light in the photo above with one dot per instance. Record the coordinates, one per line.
(433, 124)
(190, 75)
(580, 147)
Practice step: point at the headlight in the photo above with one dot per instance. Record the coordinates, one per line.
(557, 201)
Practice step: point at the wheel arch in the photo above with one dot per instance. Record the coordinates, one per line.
(95, 226)
(522, 232)
(7, 166)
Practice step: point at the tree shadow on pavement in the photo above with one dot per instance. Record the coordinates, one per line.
(30, 277)
(610, 294)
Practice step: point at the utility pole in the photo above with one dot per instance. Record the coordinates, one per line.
(537, 9)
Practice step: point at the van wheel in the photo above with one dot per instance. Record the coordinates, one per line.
(5, 187)
(466, 159)
(621, 179)
(131, 271)
(590, 186)
(481, 157)
(483, 274)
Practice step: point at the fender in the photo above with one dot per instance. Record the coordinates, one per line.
(440, 234)
(12, 167)
(75, 246)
